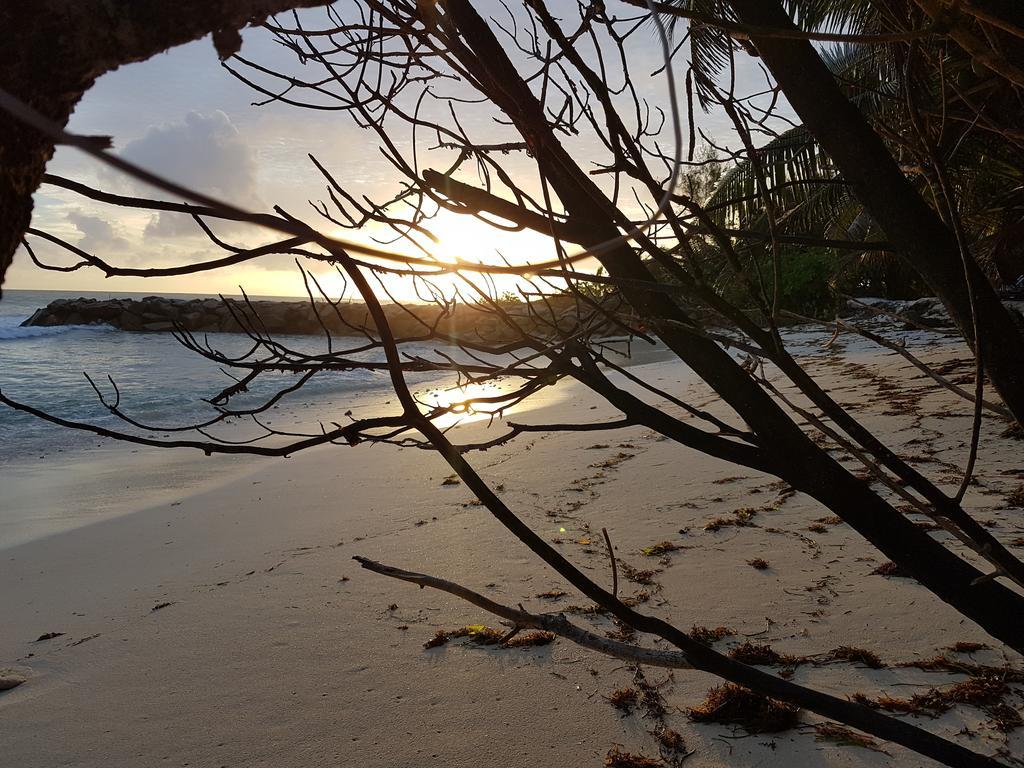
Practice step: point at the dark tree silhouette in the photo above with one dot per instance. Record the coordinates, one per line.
(379, 63)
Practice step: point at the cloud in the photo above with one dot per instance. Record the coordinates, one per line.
(205, 152)
(98, 236)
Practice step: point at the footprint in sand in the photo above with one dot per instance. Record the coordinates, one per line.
(10, 679)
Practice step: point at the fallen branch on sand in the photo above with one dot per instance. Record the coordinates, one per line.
(701, 657)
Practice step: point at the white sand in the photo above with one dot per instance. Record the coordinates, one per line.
(265, 657)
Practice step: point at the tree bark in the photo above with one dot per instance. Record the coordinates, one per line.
(797, 459)
(866, 164)
(54, 50)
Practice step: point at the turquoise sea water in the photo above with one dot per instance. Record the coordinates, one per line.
(164, 384)
(161, 382)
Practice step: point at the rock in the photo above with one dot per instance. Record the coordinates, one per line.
(128, 321)
(193, 320)
(37, 318)
(928, 312)
(227, 324)
(155, 314)
(157, 327)
(105, 311)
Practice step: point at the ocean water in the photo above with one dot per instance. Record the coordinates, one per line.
(161, 382)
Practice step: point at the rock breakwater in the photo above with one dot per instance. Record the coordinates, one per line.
(159, 314)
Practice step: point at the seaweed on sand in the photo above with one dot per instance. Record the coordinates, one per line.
(1004, 717)
(710, 636)
(741, 518)
(1016, 497)
(616, 758)
(763, 655)
(889, 568)
(624, 699)
(977, 691)
(661, 548)
(967, 647)
(552, 594)
(985, 693)
(637, 575)
(734, 704)
(845, 737)
(481, 634)
(529, 639)
(942, 663)
(671, 740)
(858, 655)
(477, 633)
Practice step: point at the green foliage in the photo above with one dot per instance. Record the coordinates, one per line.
(810, 196)
(808, 282)
(812, 281)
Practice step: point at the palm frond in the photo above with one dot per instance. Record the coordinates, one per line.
(849, 16)
(793, 166)
(711, 48)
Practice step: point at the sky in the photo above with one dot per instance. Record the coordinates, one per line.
(182, 115)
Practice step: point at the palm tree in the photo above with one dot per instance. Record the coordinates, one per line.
(809, 191)
(916, 177)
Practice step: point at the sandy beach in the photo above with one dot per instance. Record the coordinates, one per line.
(216, 618)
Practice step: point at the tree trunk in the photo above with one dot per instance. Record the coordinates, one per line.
(797, 459)
(908, 222)
(54, 50)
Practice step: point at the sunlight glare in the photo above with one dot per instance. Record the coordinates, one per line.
(460, 237)
(459, 399)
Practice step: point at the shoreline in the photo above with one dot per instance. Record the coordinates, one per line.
(270, 647)
(80, 480)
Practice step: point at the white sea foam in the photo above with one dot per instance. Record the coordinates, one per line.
(161, 383)
(14, 332)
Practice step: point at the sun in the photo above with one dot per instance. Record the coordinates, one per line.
(460, 238)
(467, 238)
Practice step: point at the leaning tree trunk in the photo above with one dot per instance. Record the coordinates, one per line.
(53, 51)
(796, 457)
(865, 163)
